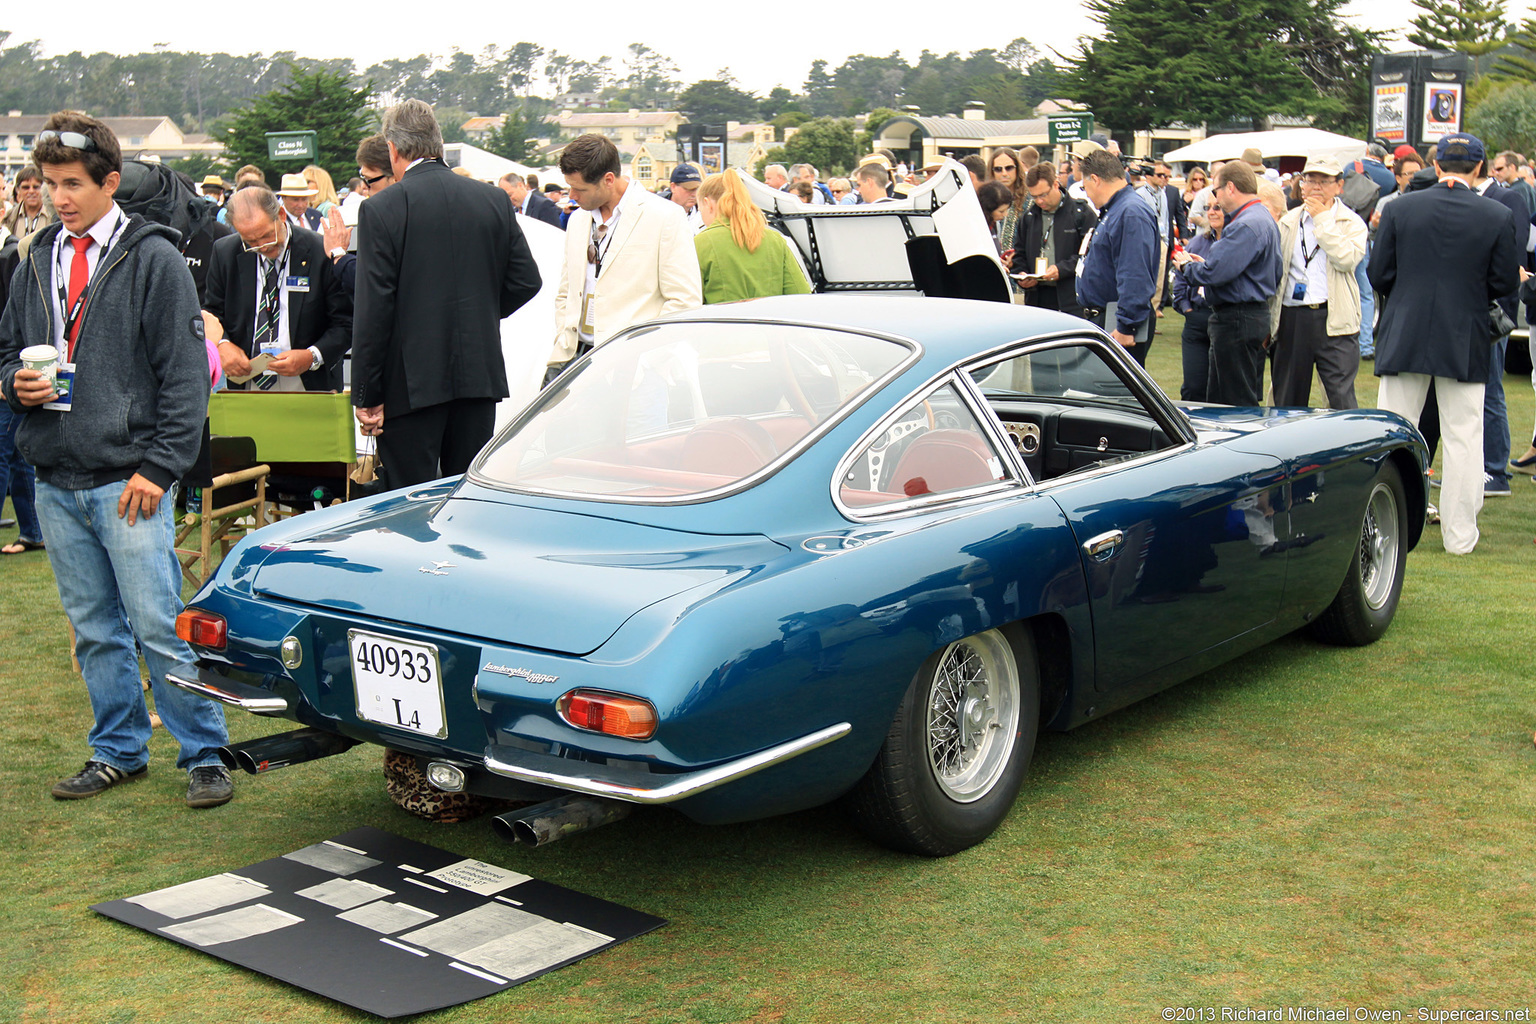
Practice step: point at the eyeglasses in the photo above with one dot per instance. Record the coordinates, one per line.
(370, 182)
(999, 168)
(1160, 174)
(263, 245)
(74, 140)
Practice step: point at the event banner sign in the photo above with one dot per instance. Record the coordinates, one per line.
(382, 923)
(1442, 110)
(1389, 112)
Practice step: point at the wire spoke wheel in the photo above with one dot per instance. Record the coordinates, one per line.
(972, 716)
(1380, 537)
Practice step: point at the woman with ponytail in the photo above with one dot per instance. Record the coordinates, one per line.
(739, 257)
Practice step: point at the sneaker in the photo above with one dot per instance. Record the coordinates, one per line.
(95, 777)
(1493, 488)
(1431, 514)
(209, 785)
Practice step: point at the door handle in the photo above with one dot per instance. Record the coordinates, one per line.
(1103, 547)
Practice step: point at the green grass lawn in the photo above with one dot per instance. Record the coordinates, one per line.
(1308, 826)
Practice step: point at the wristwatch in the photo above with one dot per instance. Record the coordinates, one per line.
(337, 253)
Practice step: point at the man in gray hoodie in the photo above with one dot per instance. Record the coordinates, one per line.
(113, 295)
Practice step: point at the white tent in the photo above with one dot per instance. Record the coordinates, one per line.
(1304, 142)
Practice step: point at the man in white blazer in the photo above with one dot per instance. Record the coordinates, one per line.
(629, 255)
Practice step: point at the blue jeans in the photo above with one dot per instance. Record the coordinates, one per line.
(1496, 417)
(118, 582)
(1367, 307)
(17, 478)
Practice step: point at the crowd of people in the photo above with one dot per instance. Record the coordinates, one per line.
(412, 266)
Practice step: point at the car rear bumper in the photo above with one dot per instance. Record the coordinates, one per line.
(643, 788)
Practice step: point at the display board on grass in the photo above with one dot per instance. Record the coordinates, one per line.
(384, 924)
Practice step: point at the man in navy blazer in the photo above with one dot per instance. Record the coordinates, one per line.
(314, 325)
(1441, 256)
(528, 202)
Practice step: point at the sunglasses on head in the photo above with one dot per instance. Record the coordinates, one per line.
(74, 140)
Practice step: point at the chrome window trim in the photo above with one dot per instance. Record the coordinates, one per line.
(914, 353)
(990, 430)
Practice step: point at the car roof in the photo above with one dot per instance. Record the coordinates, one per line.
(949, 330)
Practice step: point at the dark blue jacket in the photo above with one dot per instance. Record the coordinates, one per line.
(1244, 265)
(1511, 198)
(1121, 263)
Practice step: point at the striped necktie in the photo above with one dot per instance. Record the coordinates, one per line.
(266, 321)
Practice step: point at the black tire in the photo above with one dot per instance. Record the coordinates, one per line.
(1367, 600)
(939, 785)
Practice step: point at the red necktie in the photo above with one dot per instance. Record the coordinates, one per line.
(79, 277)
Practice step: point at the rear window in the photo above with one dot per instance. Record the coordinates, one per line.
(684, 409)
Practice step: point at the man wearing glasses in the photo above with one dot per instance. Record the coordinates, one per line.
(113, 296)
(274, 294)
(1315, 314)
(374, 172)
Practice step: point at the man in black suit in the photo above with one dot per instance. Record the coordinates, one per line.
(268, 267)
(528, 202)
(441, 261)
(1049, 238)
(1441, 256)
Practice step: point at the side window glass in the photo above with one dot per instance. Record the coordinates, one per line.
(1066, 408)
(935, 446)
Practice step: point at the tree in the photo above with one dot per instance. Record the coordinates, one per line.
(320, 101)
(513, 140)
(826, 143)
(518, 66)
(650, 79)
(778, 101)
(1260, 57)
(1506, 119)
(873, 123)
(714, 101)
(820, 93)
(1471, 26)
(1518, 60)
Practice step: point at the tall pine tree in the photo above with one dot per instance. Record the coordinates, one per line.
(1475, 27)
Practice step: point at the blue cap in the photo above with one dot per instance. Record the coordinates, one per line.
(682, 174)
(1467, 147)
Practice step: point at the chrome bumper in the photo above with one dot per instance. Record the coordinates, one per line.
(598, 780)
(216, 688)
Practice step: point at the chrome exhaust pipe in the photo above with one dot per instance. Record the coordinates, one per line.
(270, 753)
(555, 819)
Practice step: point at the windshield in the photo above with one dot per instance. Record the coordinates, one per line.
(685, 408)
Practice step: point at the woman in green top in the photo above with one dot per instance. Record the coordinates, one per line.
(739, 257)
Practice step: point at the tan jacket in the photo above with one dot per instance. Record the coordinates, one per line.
(650, 268)
(1342, 236)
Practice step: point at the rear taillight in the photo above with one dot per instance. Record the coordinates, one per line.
(205, 629)
(609, 713)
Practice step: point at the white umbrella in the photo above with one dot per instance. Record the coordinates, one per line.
(1306, 142)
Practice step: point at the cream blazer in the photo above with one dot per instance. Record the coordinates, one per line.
(1341, 234)
(650, 268)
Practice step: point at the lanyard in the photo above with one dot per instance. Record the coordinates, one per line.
(72, 315)
(1308, 257)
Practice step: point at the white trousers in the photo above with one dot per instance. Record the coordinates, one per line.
(1461, 433)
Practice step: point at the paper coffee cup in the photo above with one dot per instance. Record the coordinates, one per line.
(45, 359)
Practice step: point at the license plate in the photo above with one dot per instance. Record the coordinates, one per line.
(398, 683)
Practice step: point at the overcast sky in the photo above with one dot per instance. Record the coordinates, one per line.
(698, 39)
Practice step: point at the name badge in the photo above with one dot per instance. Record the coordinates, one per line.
(1082, 250)
(1041, 266)
(64, 386)
(296, 284)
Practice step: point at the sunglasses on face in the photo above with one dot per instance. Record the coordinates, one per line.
(1000, 168)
